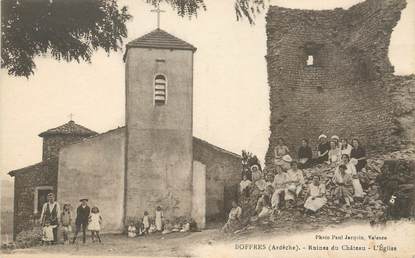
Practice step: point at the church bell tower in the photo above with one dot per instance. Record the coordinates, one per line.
(159, 107)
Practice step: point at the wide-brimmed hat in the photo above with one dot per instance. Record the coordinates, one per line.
(354, 161)
(255, 166)
(322, 136)
(287, 158)
(83, 199)
(335, 137)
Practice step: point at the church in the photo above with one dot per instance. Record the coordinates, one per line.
(154, 160)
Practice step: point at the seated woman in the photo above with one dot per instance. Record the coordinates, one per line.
(316, 195)
(279, 184)
(247, 172)
(261, 184)
(244, 184)
(305, 154)
(234, 219)
(359, 153)
(323, 150)
(256, 174)
(334, 153)
(294, 183)
(280, 150)
(345, 147)
(351, 170)
(336, 140)
(344, 188)
(263, 208)
(269, 179)
(285, 163)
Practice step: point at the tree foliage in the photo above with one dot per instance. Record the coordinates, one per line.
(73, 29)
(65, 29)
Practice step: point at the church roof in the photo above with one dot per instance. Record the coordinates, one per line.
(70, 128)
(160, 39)
(37, 166)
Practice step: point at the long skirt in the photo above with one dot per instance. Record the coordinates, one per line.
(315, 204)
(265, 212)
(275, 199)
(231, 226)
(289, 195)
(357, 187)
(344, 192)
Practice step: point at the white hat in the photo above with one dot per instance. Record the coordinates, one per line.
(255, 166)
(354, 161)
(287, 158)
(335, 137)
(322, 136)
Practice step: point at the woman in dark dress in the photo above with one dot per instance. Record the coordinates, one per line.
(323, 150)
(359, 153)
(305, 155)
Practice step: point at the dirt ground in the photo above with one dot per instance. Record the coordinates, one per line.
(212, 243)
(174, 244)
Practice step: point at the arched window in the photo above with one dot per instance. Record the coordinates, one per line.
(160, 90)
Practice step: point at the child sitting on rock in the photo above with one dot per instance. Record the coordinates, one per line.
(132, 230)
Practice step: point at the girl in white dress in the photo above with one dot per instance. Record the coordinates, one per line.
(94, 224)
(345, 147)
(294, 183)
(132, 230)
(351, 170)
(334, 153)
(159, 219)
(316, 195)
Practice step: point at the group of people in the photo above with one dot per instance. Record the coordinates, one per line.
(147, 225)
(52, 218)
(281, 184)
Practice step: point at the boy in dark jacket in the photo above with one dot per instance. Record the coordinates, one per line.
(81, 221)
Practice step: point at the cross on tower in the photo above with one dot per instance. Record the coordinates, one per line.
(158, 11)
(71, 116)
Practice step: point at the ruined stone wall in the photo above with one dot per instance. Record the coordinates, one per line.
(402, 91)
(344, 91)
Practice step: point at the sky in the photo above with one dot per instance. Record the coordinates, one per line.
(231, 107)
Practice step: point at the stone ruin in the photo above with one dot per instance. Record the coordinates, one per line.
(329, 72)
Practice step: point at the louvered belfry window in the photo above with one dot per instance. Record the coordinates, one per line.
(160, 90)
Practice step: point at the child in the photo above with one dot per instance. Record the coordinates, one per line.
(146, 223)
(132, 230)
(66, 220)
(159, 217)
(47, 234)
(139, 228)
(94, 225)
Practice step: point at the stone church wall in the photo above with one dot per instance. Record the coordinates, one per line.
(159, 137)
(223, 171)
(345, 92)
(94, 169)
(25, 182)
(53, 143)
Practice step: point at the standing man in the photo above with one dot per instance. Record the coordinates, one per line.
(51, 215)
(82, 216)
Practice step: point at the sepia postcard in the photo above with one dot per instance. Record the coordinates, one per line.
(207, 128)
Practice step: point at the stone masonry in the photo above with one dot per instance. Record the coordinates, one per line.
(346, 90)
